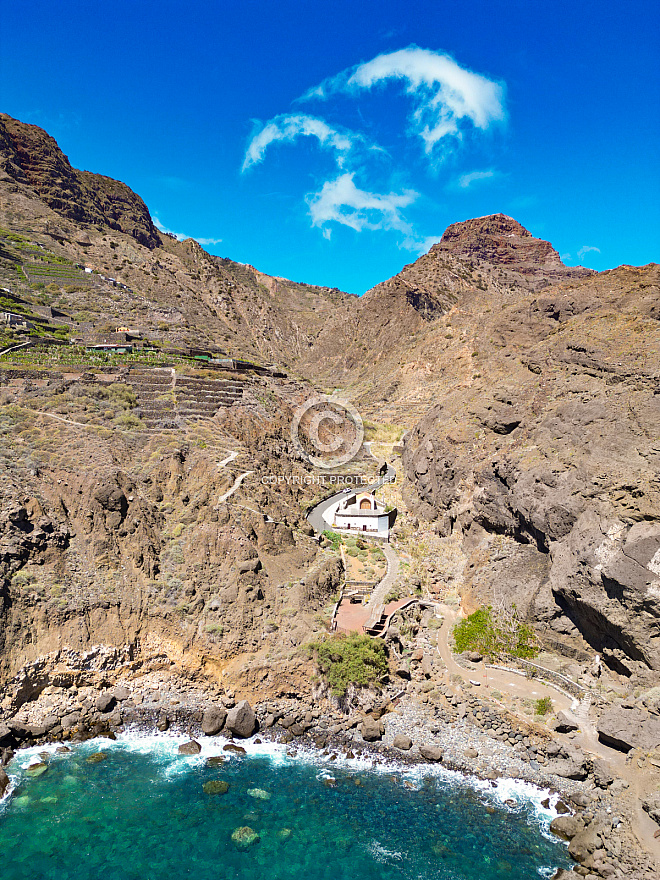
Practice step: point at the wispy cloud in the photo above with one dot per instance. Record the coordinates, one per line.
(289, 127)
(585, 250)
(341, 201)
(465, 181)
(447, 97)
(182, 236)
(447, 101)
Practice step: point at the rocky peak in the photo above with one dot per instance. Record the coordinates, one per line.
(499, 240)
(30, 156)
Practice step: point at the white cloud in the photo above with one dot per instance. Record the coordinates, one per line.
(420, 246)
(182, 236)
(341, 201)
(447, 96)
(288, 127)
(465, 181)
(585, 250)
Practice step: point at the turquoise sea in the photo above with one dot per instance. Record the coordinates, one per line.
(142, 814)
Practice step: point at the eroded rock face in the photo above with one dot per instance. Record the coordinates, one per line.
(574, 484)
(33, 156)
(626, 728)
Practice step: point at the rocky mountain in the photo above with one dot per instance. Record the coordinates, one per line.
(529, 391)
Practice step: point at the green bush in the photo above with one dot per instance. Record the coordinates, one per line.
(543, 706)
(482, 632)
(333, 537)
(352, 659)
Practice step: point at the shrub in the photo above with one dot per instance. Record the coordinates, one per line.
(543, 706)
(333, 537)
(482, 631)
(352, 659)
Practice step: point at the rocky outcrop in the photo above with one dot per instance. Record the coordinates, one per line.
(627, 727)
(29, 155)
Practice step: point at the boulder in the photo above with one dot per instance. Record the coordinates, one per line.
(627, 728)
(431, 753)
(241, 720)
(403, 742)
(566, 827)
(4, 782)
(105, 702)
(70, 720)
(471, 752)
(5, 734)
(567, 769)
(120, 693)
(237, 750)
(651, 804)
(249, 565)
(213, 720)
(19, 730)
(564, 723)
(584, 843)
(190, 748)
(371, 729)
(603, 776)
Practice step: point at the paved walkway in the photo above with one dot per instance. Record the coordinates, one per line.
(376, 604)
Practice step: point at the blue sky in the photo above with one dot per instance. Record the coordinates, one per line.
(333, 143)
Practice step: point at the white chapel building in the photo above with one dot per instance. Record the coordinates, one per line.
(361, 512)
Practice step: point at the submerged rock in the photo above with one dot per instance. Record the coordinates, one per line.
(259, 793)
(37, 769)
(216, 786)
(215, 760)
(96, 758)
(284, 833)
(244, 837)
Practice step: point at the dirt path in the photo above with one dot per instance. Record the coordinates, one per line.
(495, 679)
(587, 737)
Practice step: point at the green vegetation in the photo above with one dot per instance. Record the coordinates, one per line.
(489, 634)
(352, 659)
(333, 537)
(543, 706)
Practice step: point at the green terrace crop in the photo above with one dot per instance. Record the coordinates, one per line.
(79, 356)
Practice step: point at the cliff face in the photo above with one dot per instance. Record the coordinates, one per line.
(546, 442)
(31, 156)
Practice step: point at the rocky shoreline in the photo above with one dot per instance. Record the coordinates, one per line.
(467, 735)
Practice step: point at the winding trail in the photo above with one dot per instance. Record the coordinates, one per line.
(237, 483)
